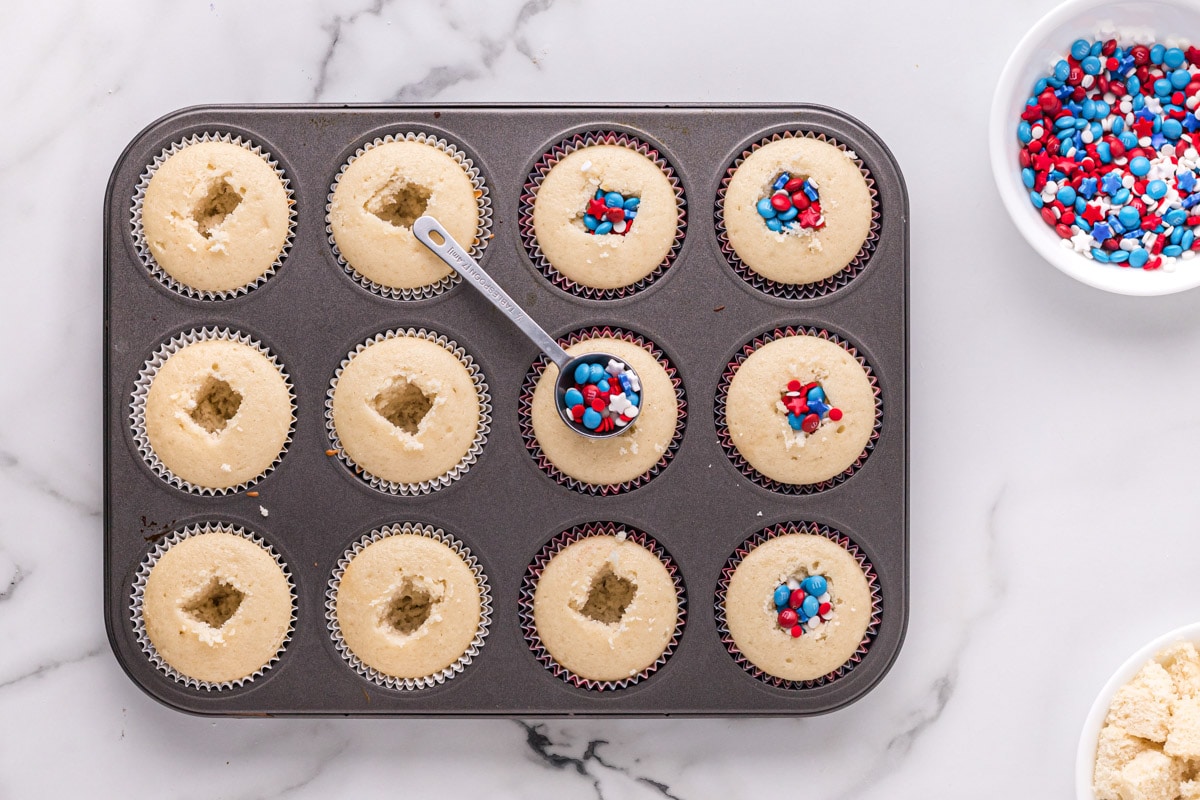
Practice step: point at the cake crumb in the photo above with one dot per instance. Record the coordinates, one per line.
(262, 510)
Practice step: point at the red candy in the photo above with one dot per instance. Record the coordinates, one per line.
(800, 201)
(793, 186)
(796, 598)
(810, 423)
(598, 404)
(590, 393)
(835, 414)
(797, 631)
(824, 609)
(780, 202)
(793, 386)
(788, 618)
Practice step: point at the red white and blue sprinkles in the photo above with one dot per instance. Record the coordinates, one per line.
(793, 205)
(610, 212)
(604, 397)
(1109, 152)
(802, 606)
(807, 406)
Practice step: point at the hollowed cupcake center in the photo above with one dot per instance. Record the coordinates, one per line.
(404, 405)
(409, 608)
(608, 597)
(215, 604)
(216, 403)
(218, 203)
(611, 213)
(400, 205)
(807, 407)
(803, 602)
(791, 204)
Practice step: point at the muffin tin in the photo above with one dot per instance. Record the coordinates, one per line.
(701, 508)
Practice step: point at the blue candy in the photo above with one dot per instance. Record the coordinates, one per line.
(603, 228)
(1176, 216)
(1118, 256)
(1080, 49)
(810, 606)
(1180, 78)
(1186, 180)
(591, 419)
(1138, 258)
(630, 215)
(626, 384)
(1139, 166)
(1105, 152)
(1133, 85)
(1062, 70)
(1162, 87)
(1034, 198)
(1156, 189)
(1172, 250)
(1091, 65)
(1157, 52)
(1129, 217)
(1172, 128)
(573, 397)
(1129, 139)
(1121, 197)
(765, 209)
(1111, 184)
(1066, 195)
(590, 222)
(774, 225)
(1101, 232)
(614, 200)
(810, 192)
(1187, 240)
(782, 595)
(1100, 255)
(633, 398)
(1087, 188)
(789, 215)
(1173, 58)
(817, 407)
(596, 372)
(781, 181)
(795, 422)
(816, 395)
(631, 203)
(602, 385)
(814, 585)
(583, 373)
(1027, 178)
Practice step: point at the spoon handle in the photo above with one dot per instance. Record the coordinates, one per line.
(457, 258)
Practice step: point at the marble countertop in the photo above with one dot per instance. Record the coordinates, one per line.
(1053, 508)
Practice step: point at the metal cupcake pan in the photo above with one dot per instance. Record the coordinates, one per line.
(505, 508)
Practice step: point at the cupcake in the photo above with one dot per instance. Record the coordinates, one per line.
(602, 606)
(798, 605)
(798, 411)
(794, 212)
(212, 411)
(408, 606)
(602, 215)
(213, 217)
(409, 411)
(606, 466)
(213, 606)
(378, 195)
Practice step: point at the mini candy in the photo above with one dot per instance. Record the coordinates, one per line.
(597, 401)
(792, 206)
(610, 212)
(806, 406)
(799, 611)
(1109, 152)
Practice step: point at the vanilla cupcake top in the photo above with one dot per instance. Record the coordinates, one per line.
(215, 216)
(823, 223)
(218, 413)
(382, 192)
(614, 247)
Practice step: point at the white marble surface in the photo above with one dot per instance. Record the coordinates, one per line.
(1054, 488)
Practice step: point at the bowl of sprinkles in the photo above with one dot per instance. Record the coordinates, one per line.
(1095, 143)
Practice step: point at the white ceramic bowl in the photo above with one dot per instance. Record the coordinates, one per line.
(1085, 755)
(1045, 43)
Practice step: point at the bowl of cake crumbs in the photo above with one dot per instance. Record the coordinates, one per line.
(1141, 739)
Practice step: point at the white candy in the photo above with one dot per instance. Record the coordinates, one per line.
(632, 411)
(619, 227)
(793, 584)
(814, 622)
(1085, 136)
(823, 598)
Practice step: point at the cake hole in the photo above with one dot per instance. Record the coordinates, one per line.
(218, 204)
(216, 604)
(610, 212)
(409, 609)
(401, 206)
(216, 404)
(404, 405)
(608, 598)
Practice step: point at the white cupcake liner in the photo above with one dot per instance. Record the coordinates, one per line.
(483, 231)
(142, 247)
(381, 678)
(534, 573)
(141, 390)
(468, 459)
(725, 437)
(798, 291)
(784, 529)
(533, 183)
(525, 415)
(138, 595)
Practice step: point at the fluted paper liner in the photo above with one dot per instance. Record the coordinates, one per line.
(138, 596)
(483, 230)
(141, 389)
(798, 291)
(534, 573)
(722, 421)
(534, 182)
(525, 414)
(481, 432)
(784, 529)
(142, 247)
(426, 681)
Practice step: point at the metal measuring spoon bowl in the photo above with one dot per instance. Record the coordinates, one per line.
(609, 395)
